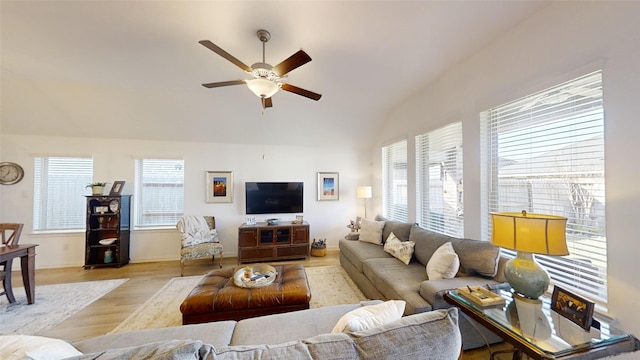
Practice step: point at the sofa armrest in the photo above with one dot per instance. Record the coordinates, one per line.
(433, 290)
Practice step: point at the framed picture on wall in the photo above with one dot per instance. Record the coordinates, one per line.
(219, 187)
(328, 186)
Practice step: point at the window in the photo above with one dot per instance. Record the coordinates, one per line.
(159, 192)
(545, 154)
(394, 181)
(439, 180)
(59, 187)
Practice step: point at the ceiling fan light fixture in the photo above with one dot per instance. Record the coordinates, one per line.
(263, 70)
(262, 87)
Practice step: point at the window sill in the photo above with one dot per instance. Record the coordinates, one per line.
(155, 228)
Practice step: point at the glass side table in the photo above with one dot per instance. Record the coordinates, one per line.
(537, 331)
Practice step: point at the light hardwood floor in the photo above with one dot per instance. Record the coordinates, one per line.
(145, 279)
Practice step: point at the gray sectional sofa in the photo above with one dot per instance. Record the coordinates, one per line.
(381, 276)
(302, 334)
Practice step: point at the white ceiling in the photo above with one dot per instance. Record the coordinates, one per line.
(134, 69)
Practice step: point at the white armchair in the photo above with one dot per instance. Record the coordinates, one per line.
(199, 239)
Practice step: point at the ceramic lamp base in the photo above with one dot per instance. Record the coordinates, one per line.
(525, 276)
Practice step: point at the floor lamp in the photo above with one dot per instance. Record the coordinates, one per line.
(364, 192)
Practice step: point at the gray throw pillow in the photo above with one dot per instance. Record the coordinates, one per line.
(427, 242)
(477, 257)
(399, 228)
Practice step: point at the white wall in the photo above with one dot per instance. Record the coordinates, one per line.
(561, 42)
(114, 160)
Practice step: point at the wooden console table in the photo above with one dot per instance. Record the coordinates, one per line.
(27, 255)
(551, 336)
(263, 242)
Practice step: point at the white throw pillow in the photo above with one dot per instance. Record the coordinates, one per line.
(444, 263)
(371, 231)
(370, 316)
(401, 250)
(35, 347)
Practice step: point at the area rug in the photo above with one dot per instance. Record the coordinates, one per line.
(53, 305)
(330, 285)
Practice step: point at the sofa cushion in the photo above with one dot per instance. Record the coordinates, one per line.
(358, 251)
(371, 231)
(19, 347)
(401, 229)
(477, 257)
(166, 350)
(427, 242)
(401, 250)
(444, 263)
(396, 280)
(215, 333)
(317, 321)
(435, 334)
(287, 350)
(370, 316)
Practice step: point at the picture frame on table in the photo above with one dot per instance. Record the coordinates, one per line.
(116, 188)
(573, 307)
(328, 186)
(219, 187)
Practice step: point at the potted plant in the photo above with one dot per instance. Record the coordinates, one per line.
(97, 188)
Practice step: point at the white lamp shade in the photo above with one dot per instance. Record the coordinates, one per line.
(363, 192)
(262, 88)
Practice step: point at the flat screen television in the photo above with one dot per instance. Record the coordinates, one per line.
(274, 197)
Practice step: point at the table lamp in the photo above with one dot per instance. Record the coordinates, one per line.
(528, 234)
(364, 192)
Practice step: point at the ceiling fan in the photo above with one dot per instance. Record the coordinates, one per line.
(267, 79)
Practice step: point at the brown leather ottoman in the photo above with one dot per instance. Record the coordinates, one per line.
(217, 298)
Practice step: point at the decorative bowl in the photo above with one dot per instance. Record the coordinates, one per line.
(266, 274)
(107, 241)
(273, 221)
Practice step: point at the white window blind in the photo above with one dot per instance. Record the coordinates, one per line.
(545, 154)
(394, 181)
(439, 180)
(58, 196)
(159, 194)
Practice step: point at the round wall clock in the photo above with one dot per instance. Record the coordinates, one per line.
(10, 173)
(114, 205)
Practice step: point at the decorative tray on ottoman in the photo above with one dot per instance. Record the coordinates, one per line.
(257, 275)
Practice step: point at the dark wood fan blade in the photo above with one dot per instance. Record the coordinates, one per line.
(296, 60)
(213, 47)
(300, 91)
(223, 83)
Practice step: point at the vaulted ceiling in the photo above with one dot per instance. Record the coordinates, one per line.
(134, 69)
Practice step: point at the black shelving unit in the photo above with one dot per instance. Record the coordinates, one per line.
(108, 220)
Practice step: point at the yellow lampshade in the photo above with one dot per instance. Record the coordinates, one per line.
(534, 233)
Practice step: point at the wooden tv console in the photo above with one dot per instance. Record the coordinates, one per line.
(263, 242)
